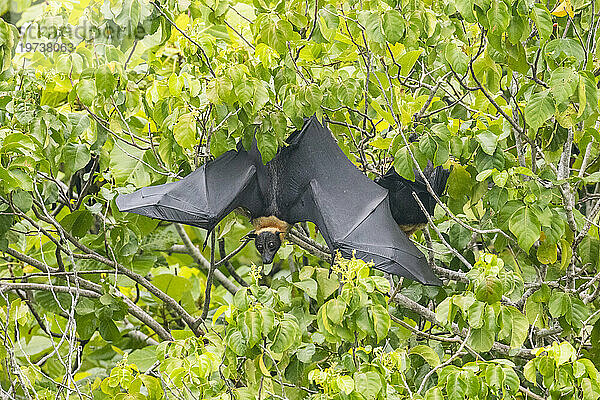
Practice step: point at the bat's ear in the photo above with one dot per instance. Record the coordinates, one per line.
(249, 235)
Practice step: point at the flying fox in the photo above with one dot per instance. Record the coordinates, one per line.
(310, 179)
(405, 210)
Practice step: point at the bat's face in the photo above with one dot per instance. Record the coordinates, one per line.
(267, 243)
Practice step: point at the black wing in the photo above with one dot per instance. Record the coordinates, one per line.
(405, 209)
(350, 210)
(204, 197)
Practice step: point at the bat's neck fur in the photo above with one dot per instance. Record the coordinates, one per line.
(410, 229)
(271, 224)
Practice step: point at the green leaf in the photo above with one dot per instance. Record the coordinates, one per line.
(328, 25)
(309, 286)
(529, 371)
(498, 17)
(22, 200)
(86, 91)
(434, 393)
(6, 221)
(428, 354)
(184, 131)
(172, 285)
(381, 283)
(489, 290)
(245, 90)
(494, 376)
(547, 252)
(393, 26)
(368, 384)
(305, 353)
(279, 123)
(383, 143)
(559, 304)
(518, 29)
(253, 322)
(144, 358)
(591, 92)
(152, 385)
(459, 182)
(286, 333)
(543, 20)
(75, 157)
(371, 20)
(268, 319)
(381, 321)
(261, 96)
(236, 342)
(335, 309)
(403, 164)
(127, 166)
(105, 81)
(482, 339)
(86, 325)
(564, 353)
(267, 145)
(539, 109)
(456, 58)
(579, 313)
(587, 389)
(428, 146)
(326, 284)
(314, 97)
(221, 142)
(345, 384)
(79, 124)
(407, 61)
(78, 222)
(564, 47)
(520, 328)
(563, 82)
(465, 7)
(476, 313)
(35, 345)
(524, 224)
(7, 180)
(108, 330)
(456, 387)
(566, 254)
(488, 141)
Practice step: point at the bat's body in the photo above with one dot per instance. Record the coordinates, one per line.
(405, 209)
(309, 180)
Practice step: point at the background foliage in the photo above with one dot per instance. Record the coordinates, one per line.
(100, 98)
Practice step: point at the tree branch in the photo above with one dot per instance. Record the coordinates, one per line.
(203, 262)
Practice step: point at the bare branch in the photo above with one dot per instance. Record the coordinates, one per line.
(203, 262)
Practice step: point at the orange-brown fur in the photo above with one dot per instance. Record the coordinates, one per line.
(271, 223)
(410, 229)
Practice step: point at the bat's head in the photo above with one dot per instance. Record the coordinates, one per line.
(267, 243)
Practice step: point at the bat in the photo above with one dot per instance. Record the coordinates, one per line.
(405, 209)
(310, 179)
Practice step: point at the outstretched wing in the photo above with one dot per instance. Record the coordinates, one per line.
(204, 197)
(351, 211)
(405, 209)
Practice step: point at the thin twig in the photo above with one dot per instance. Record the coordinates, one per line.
(209, 278)
(185, 35)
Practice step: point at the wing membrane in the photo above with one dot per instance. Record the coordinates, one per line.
(351, 211)
(203, 197)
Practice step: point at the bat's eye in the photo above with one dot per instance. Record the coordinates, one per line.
(271, 245)
(259, 247)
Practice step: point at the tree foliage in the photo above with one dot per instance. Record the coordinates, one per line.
(100, 98)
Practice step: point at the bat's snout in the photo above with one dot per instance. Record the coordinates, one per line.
(268, 258)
